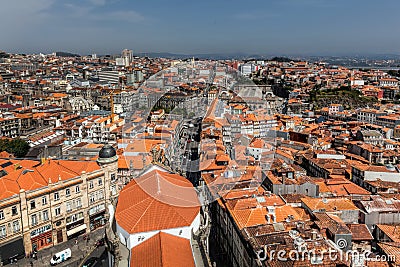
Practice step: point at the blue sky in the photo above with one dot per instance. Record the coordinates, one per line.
(274, 27)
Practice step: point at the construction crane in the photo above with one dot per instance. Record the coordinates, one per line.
(111, 93)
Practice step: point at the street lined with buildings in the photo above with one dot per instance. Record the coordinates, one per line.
(197, 163)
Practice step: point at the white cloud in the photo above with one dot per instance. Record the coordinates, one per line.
(89, 13)
(17, 6)
(23, 10)
(37, 25)
(19, 15)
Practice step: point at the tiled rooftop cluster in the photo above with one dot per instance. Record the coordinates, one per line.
(296, 174)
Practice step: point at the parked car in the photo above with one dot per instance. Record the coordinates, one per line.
(60, 257)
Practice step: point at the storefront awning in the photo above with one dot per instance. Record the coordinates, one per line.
(76, 229)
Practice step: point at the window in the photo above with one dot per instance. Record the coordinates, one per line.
(113, 190)
(16, 226)
(100, 181)
(57, 211)
(33, 205)
(69, 207)
(44, 201)
(78, 203)
(90, 184)
(113, 177)
(101, 196)
(3, 232)
(67, 192)
(74, 218)
(77, 189)
(56, 196)
(1, 215)
(45, 215)
(34, 220)
(14, 211)
(91, 198)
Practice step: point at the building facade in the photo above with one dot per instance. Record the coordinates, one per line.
(49, 202)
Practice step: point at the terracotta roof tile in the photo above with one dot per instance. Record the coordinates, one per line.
(31, 175)
(360, 232)
(162, 250)
(329, 205)
(157, 200)
(391, 231)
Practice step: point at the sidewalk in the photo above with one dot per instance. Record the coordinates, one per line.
(78, 251)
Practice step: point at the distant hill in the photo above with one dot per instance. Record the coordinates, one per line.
(283, 59)
(66, 54)
(4, 55)
(216, 56)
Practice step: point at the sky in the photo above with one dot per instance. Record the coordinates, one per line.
(267, 27)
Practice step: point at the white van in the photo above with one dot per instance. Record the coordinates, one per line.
(60, 257)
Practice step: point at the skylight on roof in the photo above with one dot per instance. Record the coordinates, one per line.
(4, 165)
(389, 201)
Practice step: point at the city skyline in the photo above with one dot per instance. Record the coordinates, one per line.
(288, 27)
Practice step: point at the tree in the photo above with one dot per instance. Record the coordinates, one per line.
(395, 73)
(18, 147)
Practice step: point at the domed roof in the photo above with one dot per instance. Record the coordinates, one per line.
(107, 152)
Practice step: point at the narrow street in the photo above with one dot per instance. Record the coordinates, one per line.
(81, 251)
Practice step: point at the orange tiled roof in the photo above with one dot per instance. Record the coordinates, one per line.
(251, 216)
(392, 249)
(391, 231)
(30, 175)
(163, 250)
(157, 200)
(329, 204)
(5, 154)
(125, 162)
